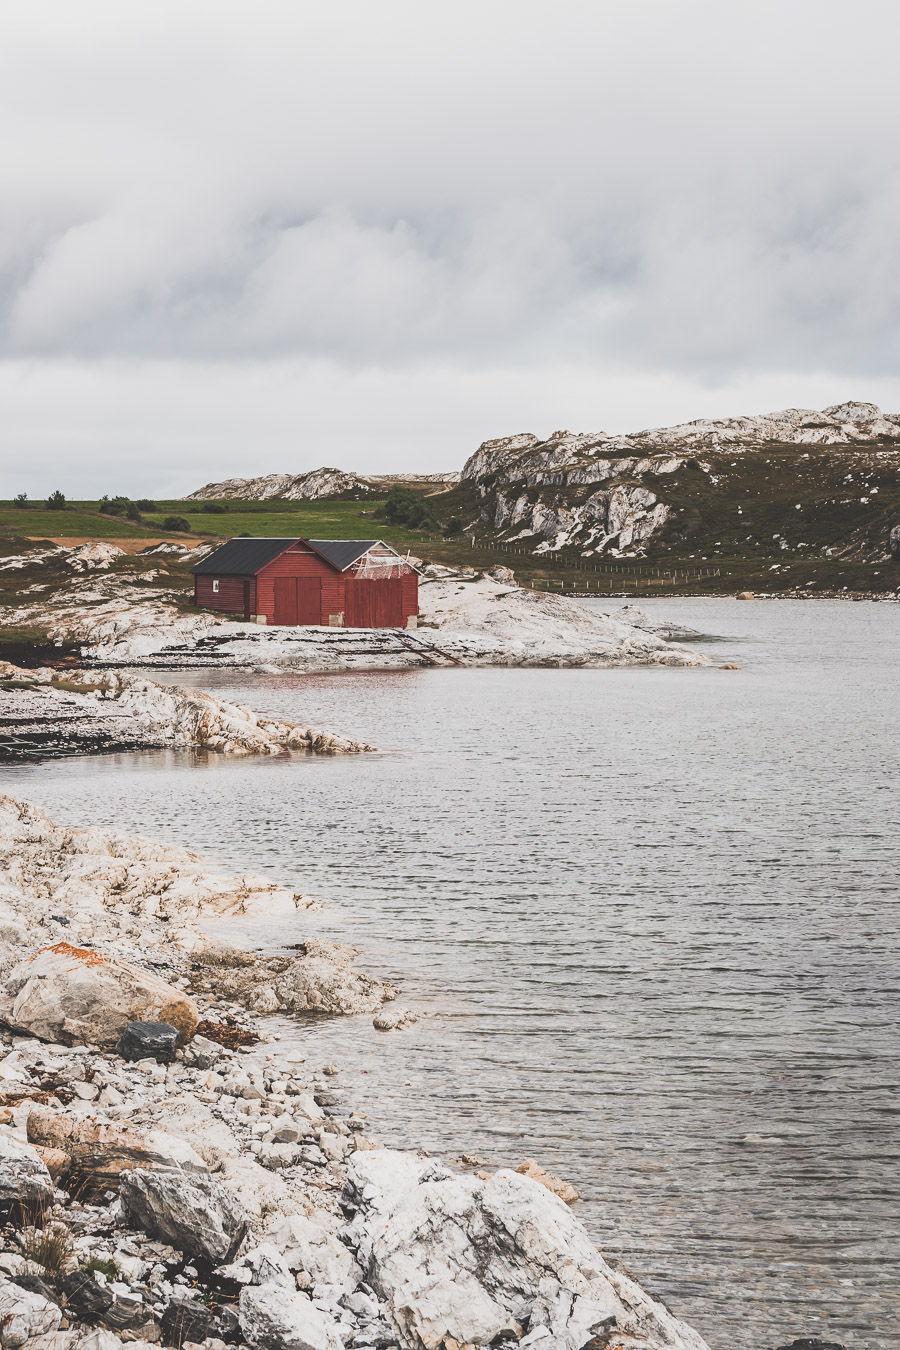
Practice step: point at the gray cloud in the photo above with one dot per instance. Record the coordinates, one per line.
(689, 196)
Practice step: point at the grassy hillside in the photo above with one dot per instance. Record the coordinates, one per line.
(774, 518)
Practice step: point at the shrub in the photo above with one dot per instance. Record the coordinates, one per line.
(453, 526)
(145, 504)
(405, 507)
(176, 523)
(214, 508)
(98, 1263)
(56, 501)
(120, 506)
(21, 502)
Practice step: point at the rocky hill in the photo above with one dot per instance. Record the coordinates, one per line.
(317, 483)
(797, 479)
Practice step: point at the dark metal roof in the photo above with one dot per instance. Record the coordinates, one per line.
(242, 557)
(342, 552)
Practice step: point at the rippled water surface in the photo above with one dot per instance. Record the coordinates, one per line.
(654, 916)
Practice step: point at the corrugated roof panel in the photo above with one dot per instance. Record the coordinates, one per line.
(242, 557)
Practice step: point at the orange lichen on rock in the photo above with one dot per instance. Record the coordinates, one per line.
(83, 954)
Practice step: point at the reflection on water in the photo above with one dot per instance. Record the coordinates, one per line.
(653, 915)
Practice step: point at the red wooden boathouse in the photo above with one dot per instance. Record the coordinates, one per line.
(353, 583)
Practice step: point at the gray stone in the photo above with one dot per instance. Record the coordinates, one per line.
(186, 1320)
(286, 1131)
(149, 1040)
(202, 1053)
(196, 1214)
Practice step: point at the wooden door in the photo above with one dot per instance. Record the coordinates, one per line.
(309, 605)
(373, 604)
(285, 600)
(389, 603)
(248, 599)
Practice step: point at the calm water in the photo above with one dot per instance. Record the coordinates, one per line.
(653, 914)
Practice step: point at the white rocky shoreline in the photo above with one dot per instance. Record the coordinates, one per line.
(66, 711)
(220, 1190)
(123, 613)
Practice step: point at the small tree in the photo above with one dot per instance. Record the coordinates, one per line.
(145, 504)
(21, 502)
(56, 501)
(453, 526)
(132, 512)
(176, 524)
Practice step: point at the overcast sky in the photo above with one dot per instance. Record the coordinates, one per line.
(239, 238)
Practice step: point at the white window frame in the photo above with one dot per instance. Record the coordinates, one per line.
(215, 588)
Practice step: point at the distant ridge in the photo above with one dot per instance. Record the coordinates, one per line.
(313, 485)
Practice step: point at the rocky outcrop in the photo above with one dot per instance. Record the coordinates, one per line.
(525, 453)
(325, 980)
(461, 1261)
(80, 709)
(485, 622)
(598, 492)
(74, 995)
(97, 887)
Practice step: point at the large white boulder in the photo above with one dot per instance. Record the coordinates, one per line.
(23, 1173)
(306, 1244)
(24, 1315)
(278, 1318)
(74, 995)
(461, 1261)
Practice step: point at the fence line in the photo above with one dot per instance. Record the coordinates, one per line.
(610, 569)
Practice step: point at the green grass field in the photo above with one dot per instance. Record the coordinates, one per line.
(308, 520)
(318, 520)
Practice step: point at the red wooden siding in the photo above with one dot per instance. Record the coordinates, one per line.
(300, 587)
(410, 603)
(301, 563)
(285, 600)
(309, 600)
(229, 598)
(373, 603)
